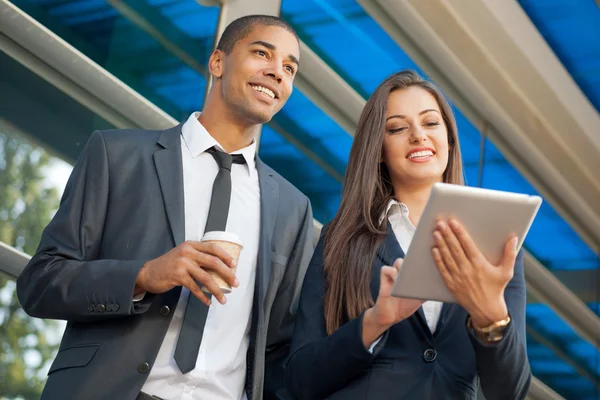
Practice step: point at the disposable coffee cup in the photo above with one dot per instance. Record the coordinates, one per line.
(231, 243)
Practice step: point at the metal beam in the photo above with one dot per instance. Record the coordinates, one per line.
(580, 366)
(496, 67)
(540, 391)
(545, 287)
(61, 64)
(12, 261)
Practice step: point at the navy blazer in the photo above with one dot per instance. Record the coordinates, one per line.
(409, 362)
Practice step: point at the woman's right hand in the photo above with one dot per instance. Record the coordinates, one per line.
(388, 310)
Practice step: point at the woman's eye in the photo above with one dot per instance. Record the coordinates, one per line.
(397, 130)
(432, 124)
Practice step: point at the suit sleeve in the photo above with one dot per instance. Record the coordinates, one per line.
(281, 326)
(320, 365)
(65, 279)
(503, 367)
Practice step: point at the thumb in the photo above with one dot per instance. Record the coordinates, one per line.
(510, 253)
(388, 274)
(398, 263)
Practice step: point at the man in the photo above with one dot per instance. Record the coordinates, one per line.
(122, 254)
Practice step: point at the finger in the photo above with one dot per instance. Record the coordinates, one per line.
(215, 264)
(203, 278)
(437, 257)
(445, 253)
(388, 274)
(194, 289)
(214, 250)
(510, 253)
(465, 240)
(398, 263)
(452, 244)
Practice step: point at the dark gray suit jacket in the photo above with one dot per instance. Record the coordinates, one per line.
(124, 205)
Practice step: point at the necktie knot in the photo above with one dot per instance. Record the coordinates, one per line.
(225, 160)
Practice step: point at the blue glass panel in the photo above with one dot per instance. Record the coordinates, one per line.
(572, 29)
(133, 55)
(542, 320)
(322, 190)
(548, 229)
(366, 55)
(316, 130)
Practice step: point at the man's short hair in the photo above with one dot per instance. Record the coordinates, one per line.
(241, 27)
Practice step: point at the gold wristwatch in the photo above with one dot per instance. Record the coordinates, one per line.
(490, 333)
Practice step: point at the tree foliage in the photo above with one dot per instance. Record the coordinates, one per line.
(26, 207)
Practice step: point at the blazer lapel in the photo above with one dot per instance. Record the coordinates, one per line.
(170, 175)
(269, 200)
(389, 251)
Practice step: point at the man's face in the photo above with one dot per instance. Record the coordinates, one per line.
(256, 78)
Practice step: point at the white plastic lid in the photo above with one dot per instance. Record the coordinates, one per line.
(222, 236)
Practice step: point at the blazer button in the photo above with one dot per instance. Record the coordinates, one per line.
(115, 307)
(164, 310)
(100, 308)
(143, 368)
(109, 307)
(430, 355)
(91, 307)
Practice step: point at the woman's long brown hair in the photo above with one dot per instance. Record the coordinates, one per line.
(355, 233)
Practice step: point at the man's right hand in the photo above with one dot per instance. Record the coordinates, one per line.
(188, 265)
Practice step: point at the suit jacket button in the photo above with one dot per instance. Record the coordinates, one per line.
(165, 310)
(115, 307)
(91, 307)
(100, 307)
(109, 307)
(429, 355)
(143, 368)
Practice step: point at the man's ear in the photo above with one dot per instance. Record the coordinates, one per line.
(215, 63)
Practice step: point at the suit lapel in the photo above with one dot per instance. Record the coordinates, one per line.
(269, 200)
(389, 251)
(170, 175)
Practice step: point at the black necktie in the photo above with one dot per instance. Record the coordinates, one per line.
(194, 319)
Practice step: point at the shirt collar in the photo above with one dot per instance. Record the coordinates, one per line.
(198, 140)
(394, 206)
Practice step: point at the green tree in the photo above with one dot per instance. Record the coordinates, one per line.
(26, 207)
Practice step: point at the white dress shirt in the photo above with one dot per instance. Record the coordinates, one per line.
(404, 230)
(221, 366)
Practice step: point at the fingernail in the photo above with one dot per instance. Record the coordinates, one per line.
(515, 242)
(437, 236)
(440, 225)
(236, 283)
(223, 300)
(454, 224)
(234, 263)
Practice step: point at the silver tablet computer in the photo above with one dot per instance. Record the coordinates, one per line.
(490, 217)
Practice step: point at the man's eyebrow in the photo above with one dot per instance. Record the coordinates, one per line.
(268, 45)
(271, 46)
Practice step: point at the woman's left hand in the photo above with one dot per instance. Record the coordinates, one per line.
(477, 284)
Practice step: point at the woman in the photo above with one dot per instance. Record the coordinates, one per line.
(349, 346)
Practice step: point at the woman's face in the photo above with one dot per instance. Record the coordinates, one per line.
(415, 145)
